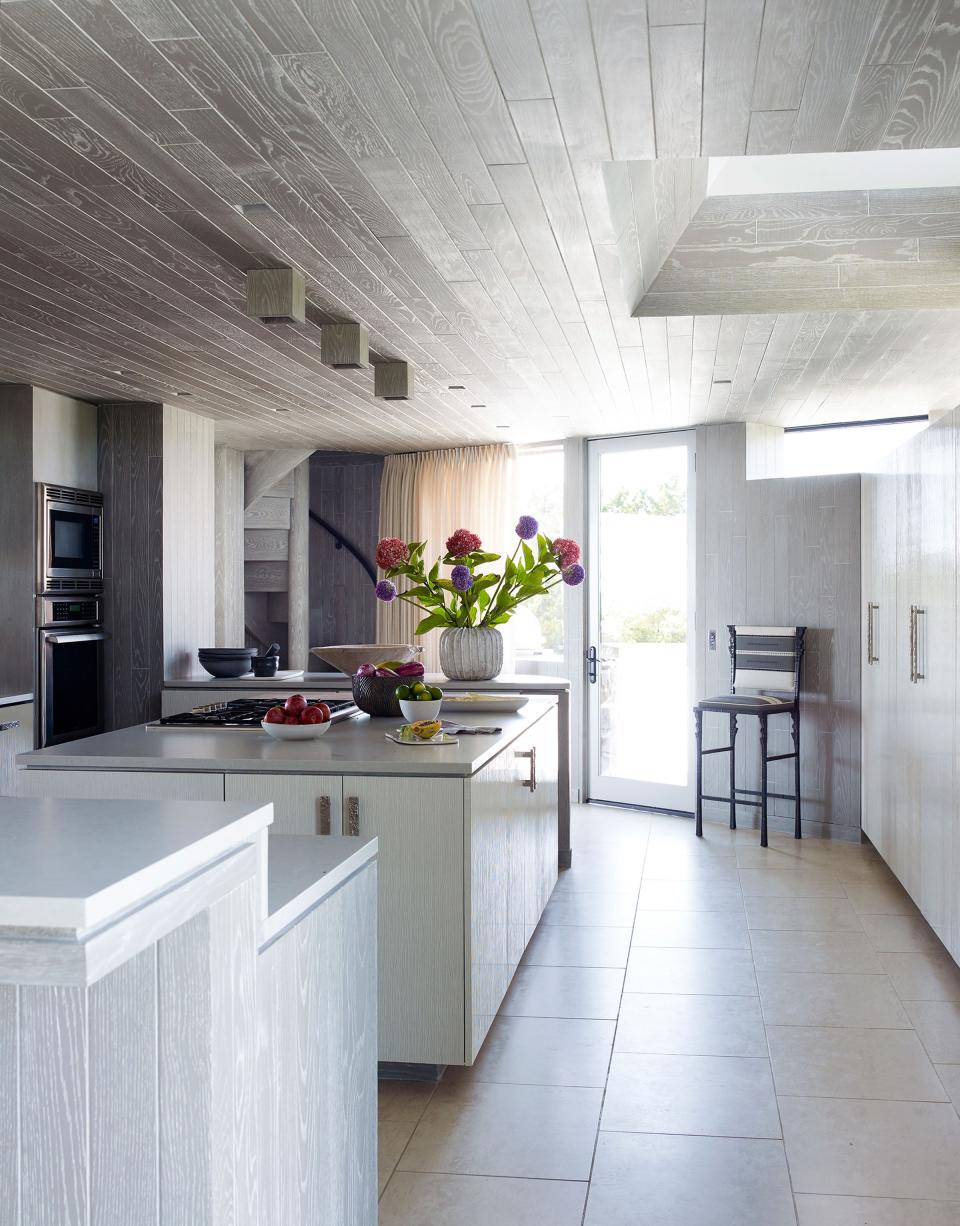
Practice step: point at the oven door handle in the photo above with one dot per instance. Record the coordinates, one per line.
(96, 637)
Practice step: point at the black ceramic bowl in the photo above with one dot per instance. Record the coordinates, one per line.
(265, 666)
(234, 663)
(375, 695)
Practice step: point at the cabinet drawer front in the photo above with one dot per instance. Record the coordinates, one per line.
(302, 804)
(122, 785)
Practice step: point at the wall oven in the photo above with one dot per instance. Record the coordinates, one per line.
(69, 694)
(69, 539)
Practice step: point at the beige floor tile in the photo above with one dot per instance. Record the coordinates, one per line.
(691, 1025)
(937, 1022)
(802, 914)
(720, 1096)
(866, 870)
(482, 1128)
(872, 1148)
(554, 1051)
(688, 895)
(949, 1075)
(392, 1138)
(880, 898)
(900, 934)
(585, 945)
(645, 1180)
(590, 877)
(830, 1000)
(414, 1199)
(603, 910)
(564, 991)
(872, 1211)
(824, 952)
(703, 972)
(664, 867)
(801, 882)
(691, 930)
(932, 975)
(852, 1062)
(403, 1100)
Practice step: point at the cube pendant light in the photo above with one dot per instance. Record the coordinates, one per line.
(344, 345)
(393, 380)
(276, 293)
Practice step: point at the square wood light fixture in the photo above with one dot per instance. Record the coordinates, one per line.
(276, 293)
(344, 346)
(393, 380)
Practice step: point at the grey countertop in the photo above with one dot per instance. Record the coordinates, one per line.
(506, 683)
(353, 747)
(303, 869)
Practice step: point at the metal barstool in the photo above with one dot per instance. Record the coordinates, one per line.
(767, 660)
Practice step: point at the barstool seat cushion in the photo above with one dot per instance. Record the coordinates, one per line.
(748, 704)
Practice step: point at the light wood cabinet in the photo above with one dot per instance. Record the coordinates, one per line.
(910, 680)
(121, 785)
(16, 736)
(302, 804)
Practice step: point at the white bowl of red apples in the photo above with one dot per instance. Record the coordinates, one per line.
(297, 720)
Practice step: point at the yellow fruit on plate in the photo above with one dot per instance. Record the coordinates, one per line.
(426, 729)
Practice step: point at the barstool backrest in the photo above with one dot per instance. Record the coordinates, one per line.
(766, 658)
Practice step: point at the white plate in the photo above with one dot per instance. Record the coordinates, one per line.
(295, 732)
(470, 701)
(442, 739)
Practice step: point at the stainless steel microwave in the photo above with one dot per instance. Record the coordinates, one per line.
(69, 538)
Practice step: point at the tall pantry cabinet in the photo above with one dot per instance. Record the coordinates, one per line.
(910, 674)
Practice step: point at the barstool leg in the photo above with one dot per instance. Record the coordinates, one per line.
(763, 781)
(698, 733)
(733, 771)
(795, 718)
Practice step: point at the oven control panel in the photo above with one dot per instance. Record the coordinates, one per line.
(82, 609)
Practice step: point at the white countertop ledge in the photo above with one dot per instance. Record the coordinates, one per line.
(78, 864)
(506, 683)
(303, 869)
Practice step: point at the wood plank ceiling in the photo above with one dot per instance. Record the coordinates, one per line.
(474, 181)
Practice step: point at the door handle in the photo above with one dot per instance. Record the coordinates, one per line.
(917, 674)
(872, 657)
(66, 639)
(323, 815)
(353, 815)
(9, 725)
(593, 662)
(530, 783)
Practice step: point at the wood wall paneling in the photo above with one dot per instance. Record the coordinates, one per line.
(9, 1104)
(298, 584)
(17, 648)
(229, 547)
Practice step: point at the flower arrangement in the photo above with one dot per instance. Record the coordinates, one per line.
(467, 597)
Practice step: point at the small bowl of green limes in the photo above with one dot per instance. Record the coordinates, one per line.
(419, 700)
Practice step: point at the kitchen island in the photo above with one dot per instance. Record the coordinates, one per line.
(195, 691)
(187, 1018)
(467, 842)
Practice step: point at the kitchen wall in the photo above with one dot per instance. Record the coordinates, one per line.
(345, 491)
(64, 440)
(783, 552)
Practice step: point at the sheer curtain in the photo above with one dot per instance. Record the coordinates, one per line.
(426, 495)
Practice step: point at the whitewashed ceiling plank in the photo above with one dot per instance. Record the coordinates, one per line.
(563, 31)
(843, 33)
(511, 40)
(622, 44)
(730, 49)
(676, 66)
(787, 36)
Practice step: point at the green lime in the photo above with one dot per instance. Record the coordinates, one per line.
(419, 688)
(436, 693)
(402, 691)
(424, 697)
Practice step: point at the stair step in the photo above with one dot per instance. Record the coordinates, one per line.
(265, 576)
(266, 545)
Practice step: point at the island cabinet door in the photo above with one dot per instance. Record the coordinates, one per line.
(120, 785)
(419, 824)
(302, 804)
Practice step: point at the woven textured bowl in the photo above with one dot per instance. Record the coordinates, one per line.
(375, 695)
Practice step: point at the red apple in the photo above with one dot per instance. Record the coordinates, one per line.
(276, 715)
(311, 715)
(294, 704)
(324, 711)
(292, 719)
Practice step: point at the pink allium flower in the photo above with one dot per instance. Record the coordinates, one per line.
(566, 552)
(462, 542)
(392, 552)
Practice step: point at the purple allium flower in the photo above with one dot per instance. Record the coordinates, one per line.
(461, 578)
(386, 591)
(574, 574)
(527, 527)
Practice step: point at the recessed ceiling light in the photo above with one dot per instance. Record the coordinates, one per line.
(456, 387)
(183, 395)
(478, 406)
(722, 382)
(503, 427)
(120, 372)
(281, 409)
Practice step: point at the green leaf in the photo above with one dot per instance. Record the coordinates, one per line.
(433, 622)
(434, 572)
(527, 552)
(479, 557)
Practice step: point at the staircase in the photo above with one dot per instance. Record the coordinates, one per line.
(276, 552)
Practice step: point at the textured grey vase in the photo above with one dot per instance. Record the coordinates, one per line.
(471, 654)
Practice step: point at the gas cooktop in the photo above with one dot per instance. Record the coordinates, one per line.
(244, 713)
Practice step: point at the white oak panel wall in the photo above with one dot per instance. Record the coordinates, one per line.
(229, 629)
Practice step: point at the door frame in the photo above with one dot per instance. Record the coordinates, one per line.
(666, 797)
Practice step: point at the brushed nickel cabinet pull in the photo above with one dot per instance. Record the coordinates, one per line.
(323, 815)
(10, 724)
(917, 674)
(872, 657)
(353, 815)
(913, 643)
(530, 783)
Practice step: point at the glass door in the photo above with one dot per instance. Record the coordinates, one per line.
(641, 606)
